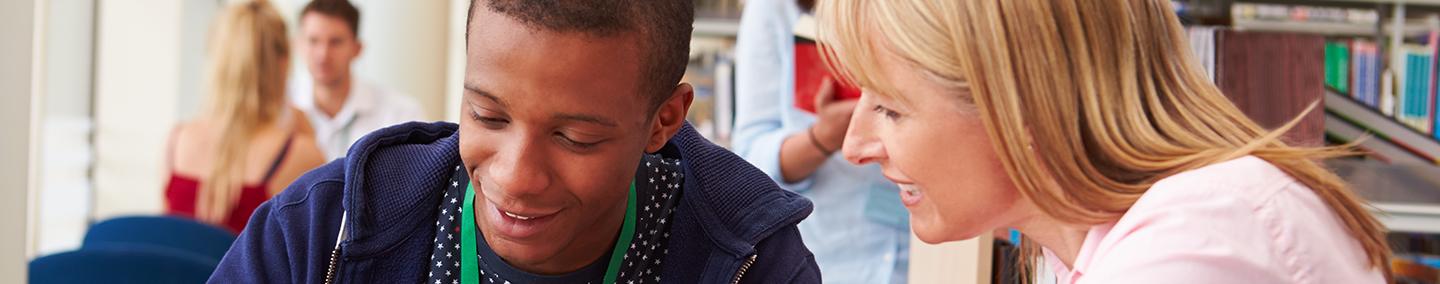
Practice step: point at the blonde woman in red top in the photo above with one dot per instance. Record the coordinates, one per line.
(249, 144)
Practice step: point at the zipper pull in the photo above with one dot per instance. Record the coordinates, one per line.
(744, 267)
(335, 253)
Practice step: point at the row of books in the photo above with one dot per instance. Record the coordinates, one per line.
(1353, 67)
(1298, 13)
(1404, 89)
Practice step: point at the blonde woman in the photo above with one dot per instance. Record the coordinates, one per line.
(249, 144)
(1087, 126)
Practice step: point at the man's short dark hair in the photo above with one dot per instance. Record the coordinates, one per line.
(664, 27)
(335, 8)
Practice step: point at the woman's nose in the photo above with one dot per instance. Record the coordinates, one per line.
(861, 145)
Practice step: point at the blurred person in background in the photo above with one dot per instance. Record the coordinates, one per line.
(249, 143)
(341, 107)
(859, 232)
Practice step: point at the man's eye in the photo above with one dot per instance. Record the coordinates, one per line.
(489, 122)
(574, 143)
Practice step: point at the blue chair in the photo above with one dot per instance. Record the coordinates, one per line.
(160, 233)
(121, 265)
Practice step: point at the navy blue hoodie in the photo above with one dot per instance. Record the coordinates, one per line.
(370, 217)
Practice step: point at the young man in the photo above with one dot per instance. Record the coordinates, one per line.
(573, 164)
(340, 107)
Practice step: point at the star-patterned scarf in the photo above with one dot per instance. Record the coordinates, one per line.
(657, 186)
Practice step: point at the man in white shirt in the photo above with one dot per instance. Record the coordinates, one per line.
(340, 108)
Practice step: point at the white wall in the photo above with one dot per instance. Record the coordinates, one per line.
(455, 59)
(65, 150)
(198, 16)
(17, 108)
(405, 48)
(138, 80)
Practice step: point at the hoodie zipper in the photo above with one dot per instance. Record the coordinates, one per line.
(744, 267)
(335, 253)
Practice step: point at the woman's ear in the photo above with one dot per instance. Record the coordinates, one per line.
(669, 117)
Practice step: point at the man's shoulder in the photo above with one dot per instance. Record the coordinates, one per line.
(388, 157)
(734, 195)
(358, 206)
(743, 214)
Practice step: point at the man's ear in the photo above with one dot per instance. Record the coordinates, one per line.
(670, 117)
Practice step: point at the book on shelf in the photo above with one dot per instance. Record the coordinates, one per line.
(1414, 92)
(1415, 95)
(1337, 65)
(1202, 44)
(1365, 72)
(1273, 78)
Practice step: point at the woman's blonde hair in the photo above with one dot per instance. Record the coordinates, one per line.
(1106, 92)
(247, 73)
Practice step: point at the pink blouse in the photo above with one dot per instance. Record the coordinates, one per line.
(1240, 221)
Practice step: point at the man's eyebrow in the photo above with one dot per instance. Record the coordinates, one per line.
(482, 93)
(586, 118)
(475, 89)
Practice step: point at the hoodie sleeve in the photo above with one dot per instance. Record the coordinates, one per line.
(783, 258)
(289, 239)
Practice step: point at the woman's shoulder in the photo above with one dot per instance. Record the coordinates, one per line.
(189, 132)
(304, 152)
(1222, 198)
(189, 147)
(1225, 195)
(1240, 217)
(1247, 178)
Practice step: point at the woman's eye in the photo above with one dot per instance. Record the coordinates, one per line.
(891, 114)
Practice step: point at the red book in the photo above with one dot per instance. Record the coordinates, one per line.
(810, 70)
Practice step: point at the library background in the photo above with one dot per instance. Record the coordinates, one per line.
(1370, 64)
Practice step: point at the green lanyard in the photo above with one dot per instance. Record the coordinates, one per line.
(470, 268)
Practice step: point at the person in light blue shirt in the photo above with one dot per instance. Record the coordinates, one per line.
(859, 231)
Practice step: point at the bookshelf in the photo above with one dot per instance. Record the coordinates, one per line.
(1379, 89)
(1344, 112)
(1378, 112)
(1401, 2)
(717, 27)
(1391, 188)
(1412, 28)
(1333, 29)
(711, 68)
(1409, 218)
(1399, 184)
(1421, 3)
(1376, 148)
